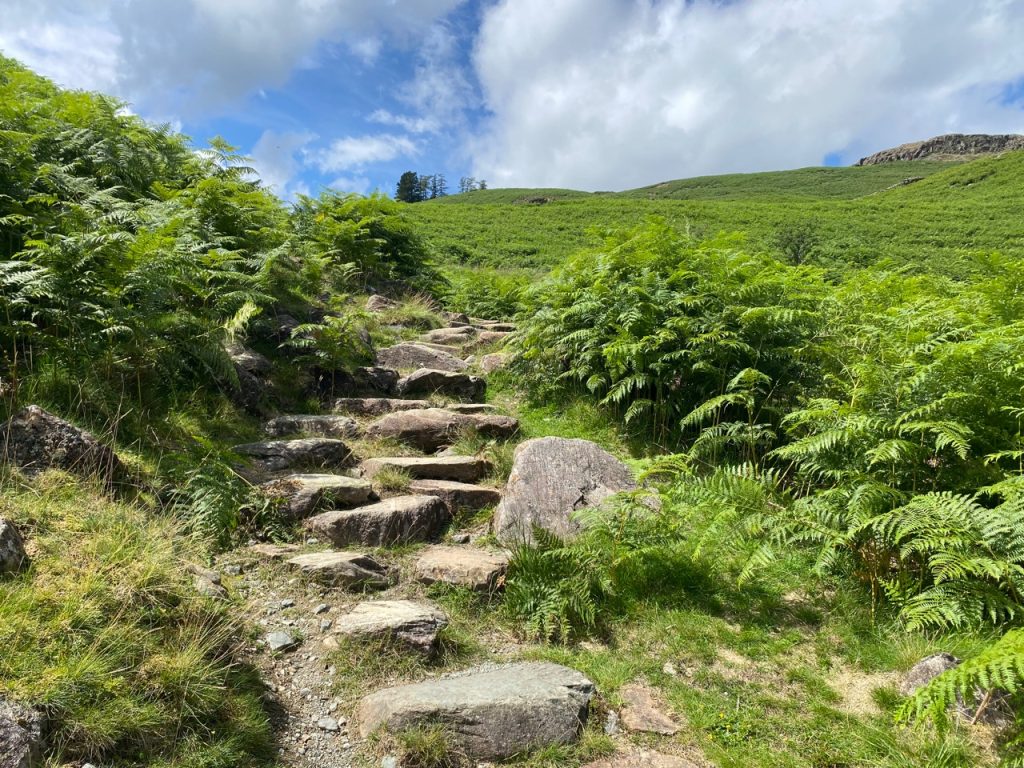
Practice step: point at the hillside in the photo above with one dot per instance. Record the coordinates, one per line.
(950, 147)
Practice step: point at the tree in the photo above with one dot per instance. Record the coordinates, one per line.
(438, 186)
(409, 188)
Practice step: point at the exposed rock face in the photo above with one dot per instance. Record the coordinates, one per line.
(551, 478)
(310, 452)
(400, 520)
(952, 146)
(476, 569)
(641, 712)
(21, 736)
(457, 496)
(428, 381)
(378, 303)
(12, 548)
(375, 406)
(411, 355)
(414, 624)
(432, 428)
(35, 440)
(320, 426)
(372, 381)
(466, 469)
(350, 570)
(458, 335)
(304, 494)
(251, 368)
(493, 713)
(926, 670)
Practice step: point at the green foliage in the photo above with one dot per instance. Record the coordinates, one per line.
(490, 293)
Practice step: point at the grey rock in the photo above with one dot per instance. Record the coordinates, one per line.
(432, 381)
(493, 325)
(432, 428)
(328, 724)
(494, 362)
(456, 335)
(35, 440)
(378, 303)
(492, 713)
(322, 608)
(461, 538)
(305, 494)
(281, 642)
(288, 603)
(317, 426)
(399, 520)
(375, 406)
(455, 319)
(411, 623)
(926, 670)
(209, 588)
(611, 724)
(325, 624)
(273, 551)
(12, 548)
(389, 761)
(462, 468)
(233, 570)
(412, 355)
(248, 360)
(21, 735)
(350, 570)
(457, 495)
(951, 146)
(553, 477)
(310, 452)
(475, 569)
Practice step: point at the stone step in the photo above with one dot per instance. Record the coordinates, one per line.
(431, 381)
(456, 319)
(350, 570)
(274, 551)
(457, 495)
(493, 325)
(476, 569)
(369, 381)
(460, 335)
(306, 494)
(471, 408)
(462, 468)
(484, 338)
(432, 428)
(411, 355)
(304, 453)
(448, 348)
(375, 406)
(400, 520)
(313, 425)
(490, 713)
(414, 624)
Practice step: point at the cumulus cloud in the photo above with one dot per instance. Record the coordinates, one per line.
(278, 156)
(605, 94)
(353, 152)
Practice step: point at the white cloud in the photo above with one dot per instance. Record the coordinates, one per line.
(359, 151)
(604, 94)
(410, 124)
(278, 157)
(358, 184)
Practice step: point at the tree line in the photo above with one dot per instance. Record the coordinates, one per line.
(415, 188)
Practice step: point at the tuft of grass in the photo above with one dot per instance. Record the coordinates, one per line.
(429, 747)
(392, 480)
(498, 452)
(418, 311)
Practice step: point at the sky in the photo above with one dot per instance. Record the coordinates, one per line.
(586, 94)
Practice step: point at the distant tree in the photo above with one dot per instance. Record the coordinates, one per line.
(797, 240)
(409, 188)
(483, 184)
(438, 186)
(425, 184)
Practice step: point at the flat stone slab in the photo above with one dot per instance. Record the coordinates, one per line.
(351, 570)
(462, 468)
(316, 426)
(12, 548)
(456, 335)
(552, 478)
(414, 624)
(305, 494)
(458, 495)
(274, 551)
(432, 381)
(472, 408)
(309, 452)
(469, 567)
(432, 428)
(281, 642)
(375, 406)
(641, 711)
(412, 355)
(492, 713)
(401, 520)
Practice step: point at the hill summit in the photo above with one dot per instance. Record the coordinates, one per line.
(951, 146)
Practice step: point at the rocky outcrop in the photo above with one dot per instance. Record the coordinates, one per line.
(305, 494)
(251, 369)
(432, 428)
(457, 496)
(474, 569)
(375, 406)
(350, 570)
(21, 736)
(401, 520)
(553, 477)
(412, 355)
(371, 381)
(429, 381)
(926, 670)
(416, 625)
(952, 146)
(467, 469)
(12, 548)
(490, 713)
(319, 426)
(378, 303)
(35, 440)
(306, 453)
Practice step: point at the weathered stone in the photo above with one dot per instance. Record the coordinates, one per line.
(12, 548)
(319, 426)
(472, 408)
(305, 494)
(453, 351)
(248, 360)
(951, 146)
(637, 757)
(35, 440)
(274, 551)
(411, 355)
(433, 428)
(350, 570)
(459, 335)
(493, 325)
(457, 496)
(553, 477)
(399, 520)
(428, 381)
(926, 670)
(640, 711)
(455, 319)
(21, 735)
(375, 406)
(462, 468)
(475, 569)
(491, 713)
(411, 623)
(281, 642)
(208, 588)
(487, 338)
(372, 381)
(310, 452)
(494, 362)
(378, 303)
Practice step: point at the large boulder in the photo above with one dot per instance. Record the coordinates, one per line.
(375, 406)
(416, 625)
(491, 713)
(552, 478)
(305, 494)
(926, 670)
(400, 520)
(456, 495)
(475, 569)
(429, 381)
(457, 335)
(305, 453)
(432, 428)
(12, 548)
(21, 736)
(35, 440)
(411, 355)
(465, 469)
(349, 570)
(319, 426)
(371, 381)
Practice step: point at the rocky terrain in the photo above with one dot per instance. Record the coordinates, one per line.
(951, 146)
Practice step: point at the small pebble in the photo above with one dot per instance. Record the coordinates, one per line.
(611, 724)
(325, 625)
(280, 642)
(322, 608)
(328, 724)
(670, 669)
(287, 603)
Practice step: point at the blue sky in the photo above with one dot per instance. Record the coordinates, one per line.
(591, 94)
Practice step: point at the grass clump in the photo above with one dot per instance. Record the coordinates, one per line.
(392, 480)
(418, 311)
(429, 747)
